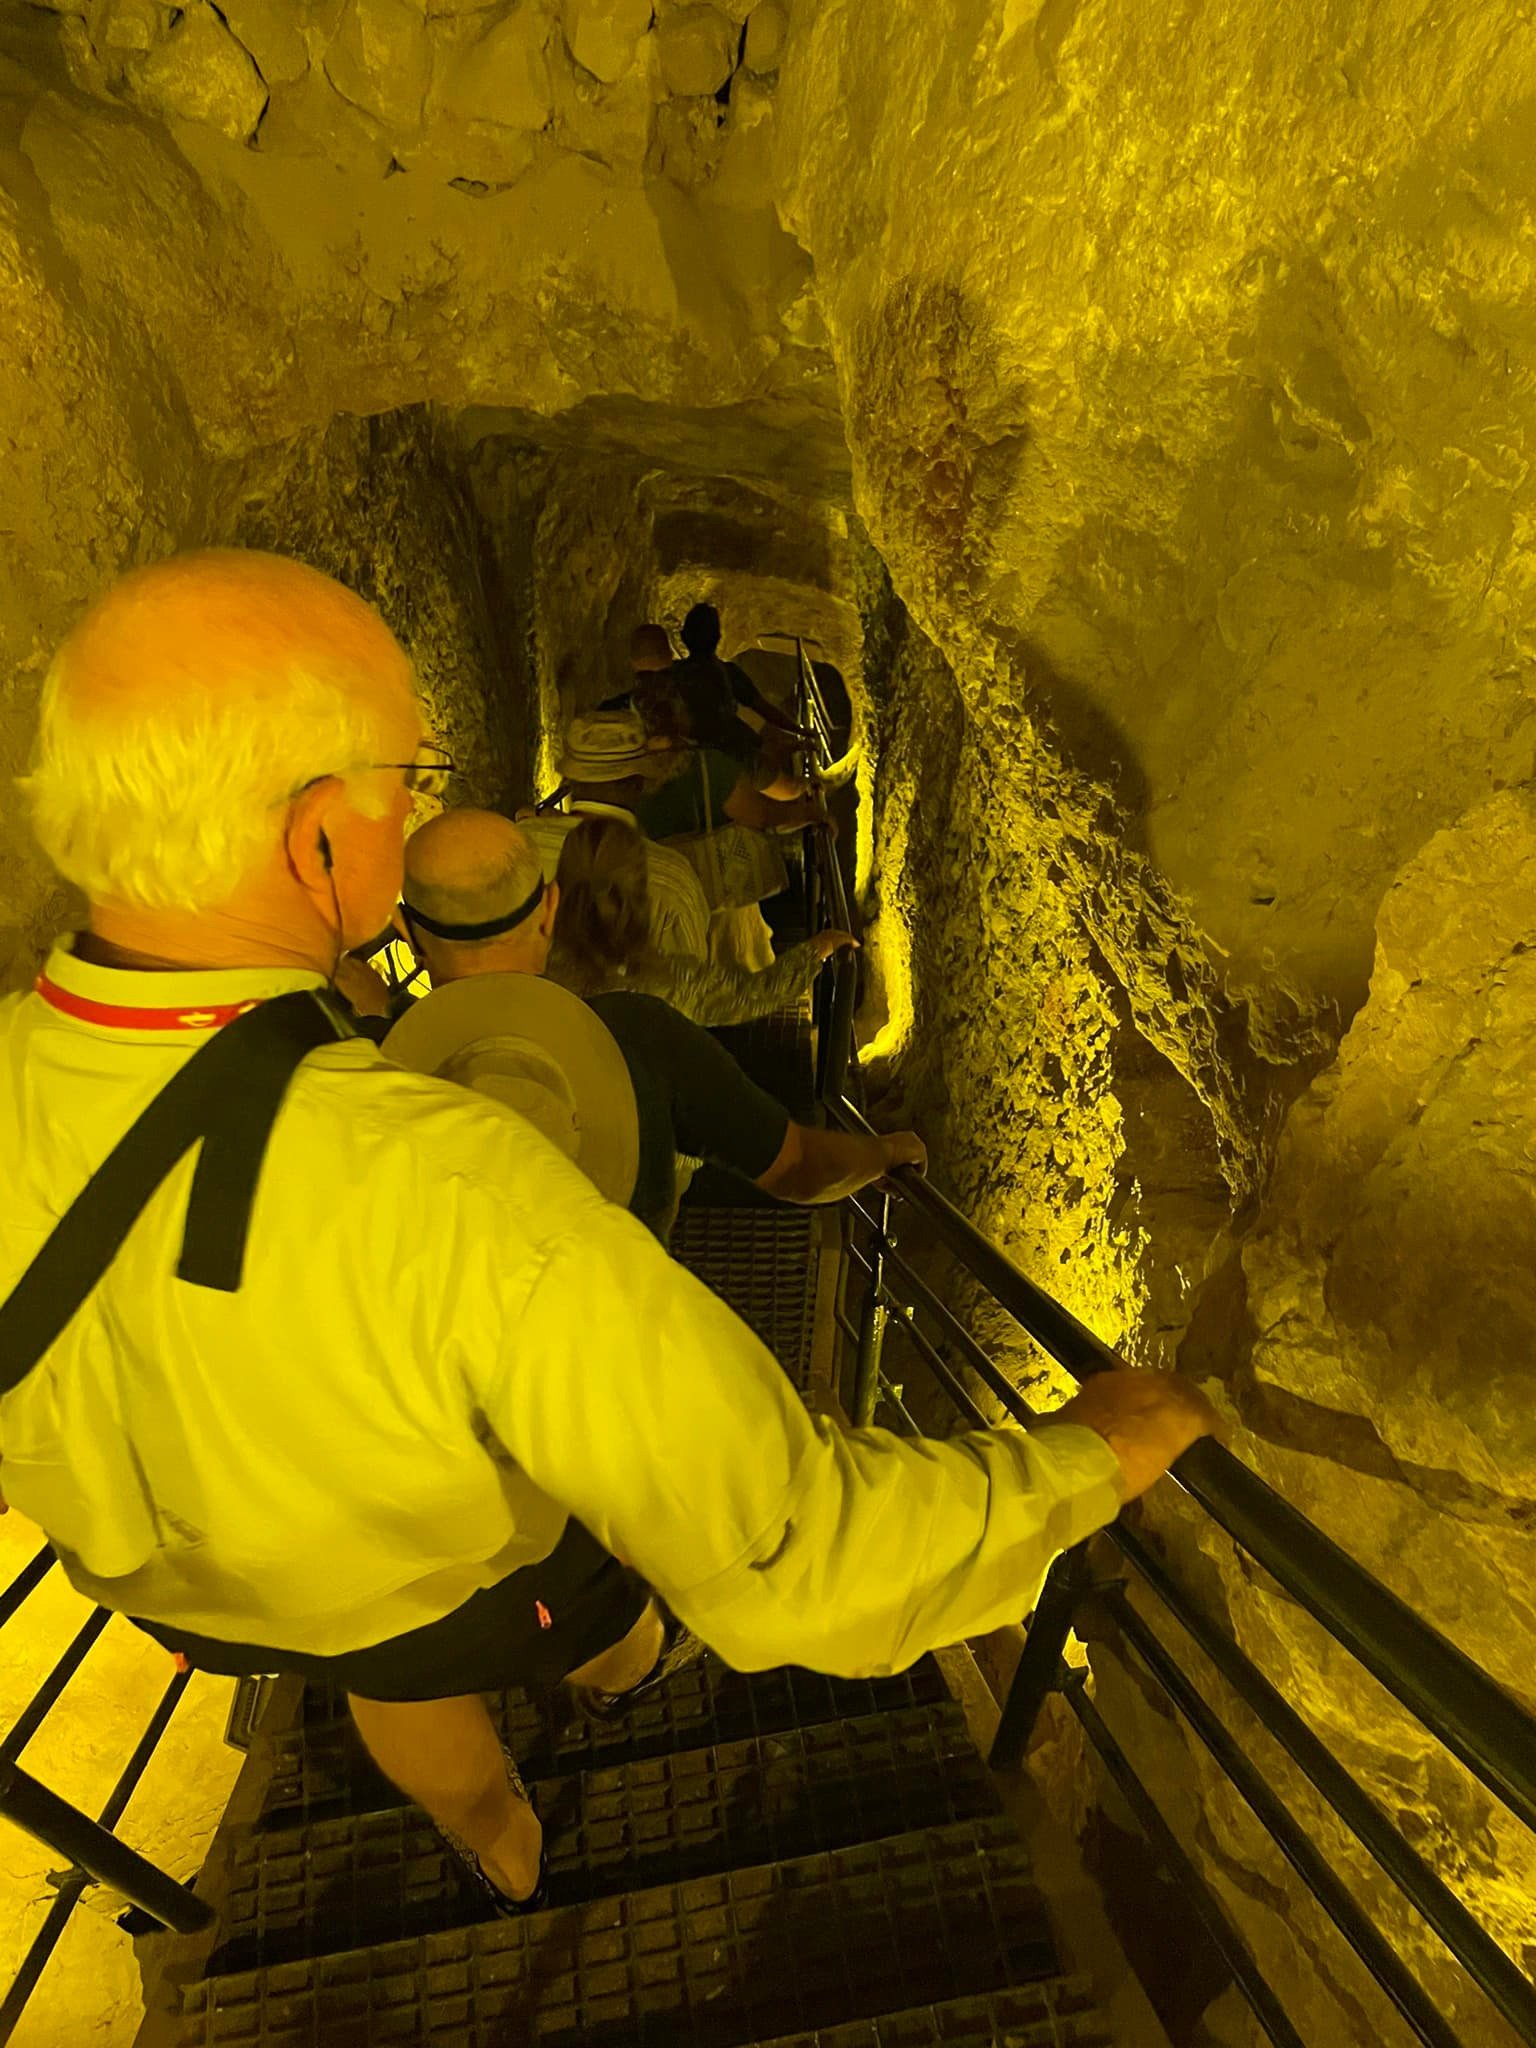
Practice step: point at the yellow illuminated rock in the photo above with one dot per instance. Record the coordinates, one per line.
(1137, 403)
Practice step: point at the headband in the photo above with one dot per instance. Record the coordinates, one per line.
(491, 929)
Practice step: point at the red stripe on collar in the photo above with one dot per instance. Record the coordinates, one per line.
(123, 1017)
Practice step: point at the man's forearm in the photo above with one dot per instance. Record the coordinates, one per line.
(895, 1547)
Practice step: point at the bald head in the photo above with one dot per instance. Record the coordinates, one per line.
(227, 629)
(470, 868)
(650, 649)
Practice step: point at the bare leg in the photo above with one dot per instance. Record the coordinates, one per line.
(629, 1661)
(445, 1754)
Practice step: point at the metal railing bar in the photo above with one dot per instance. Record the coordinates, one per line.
(1281, 1825)
(27, 1580)
(35, 1961)
(1234, 1951)
(35, 1711)
(1040, 1665)
(846, 1326)
(1471, 1713)
(72, 1885)
(940, 1367)
(1468, 1941)
(1485, 1962)
(132, 1771)
(892, 1394)
(83, 1841)
(980, 1361)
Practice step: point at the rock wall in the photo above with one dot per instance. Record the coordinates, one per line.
(1188, 389)
(487, 220)
(384, 505)
(1187, 370)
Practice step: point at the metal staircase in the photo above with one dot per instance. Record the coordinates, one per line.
(780, 1858)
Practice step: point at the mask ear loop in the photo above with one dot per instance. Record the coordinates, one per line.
(341, 937)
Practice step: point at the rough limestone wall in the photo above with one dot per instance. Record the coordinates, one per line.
(962, 905)
(1199, 385)
(1188, 409)
(570, 539)
(382, 506)
(517, 206)
(98, 469)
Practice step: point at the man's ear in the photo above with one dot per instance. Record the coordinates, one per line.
(402, 929)
(305, 840)
(548, 910)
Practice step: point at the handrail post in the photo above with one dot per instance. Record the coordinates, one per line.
(97, 1851)
(872, 1321)
(1039, 1668)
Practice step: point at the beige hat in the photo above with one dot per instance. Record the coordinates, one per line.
(605, 746)
(539, 1049)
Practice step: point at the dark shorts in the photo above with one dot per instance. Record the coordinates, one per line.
(530, 1629)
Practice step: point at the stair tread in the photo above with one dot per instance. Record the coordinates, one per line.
(762, 1262)
(1058, 2013)
(321, 1770)
(380, 1876)
(713, 1962)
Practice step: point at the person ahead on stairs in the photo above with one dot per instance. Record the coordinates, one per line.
(604, 766)
(602, 938)
(311, 1364)
(466, 873)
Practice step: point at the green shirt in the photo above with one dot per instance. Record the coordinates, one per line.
(678, 805)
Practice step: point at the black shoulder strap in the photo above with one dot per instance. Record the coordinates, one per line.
(227, 1095)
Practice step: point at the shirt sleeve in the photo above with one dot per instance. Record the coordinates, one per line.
(714, 992)
(636, 1398)
(743, 689)
(718, 1111)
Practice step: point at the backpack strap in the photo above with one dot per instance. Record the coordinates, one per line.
(227, 1097)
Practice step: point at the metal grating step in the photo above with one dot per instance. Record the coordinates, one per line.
(375, 1877)
(776, 1052)
(915, 1920)
(321, 1770)
(1057, 2014)
(763, 1263)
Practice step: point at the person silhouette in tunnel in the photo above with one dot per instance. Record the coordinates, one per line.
(311, 1364)
(703, 699)
(650, 661)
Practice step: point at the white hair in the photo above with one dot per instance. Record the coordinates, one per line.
(171, 808)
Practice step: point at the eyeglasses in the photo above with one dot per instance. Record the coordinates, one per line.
(423, 777)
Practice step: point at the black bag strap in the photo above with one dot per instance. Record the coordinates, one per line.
(227, 1096)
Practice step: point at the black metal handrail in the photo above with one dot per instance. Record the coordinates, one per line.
(1476, 1719)
(91, 1850)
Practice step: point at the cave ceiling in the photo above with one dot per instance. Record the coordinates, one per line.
(551, 219)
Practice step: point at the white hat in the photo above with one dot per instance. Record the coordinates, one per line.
(534, 1046)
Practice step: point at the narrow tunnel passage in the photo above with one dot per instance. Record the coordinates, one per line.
(1136, 431)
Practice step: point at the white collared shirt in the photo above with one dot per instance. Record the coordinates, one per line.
(445, 1342)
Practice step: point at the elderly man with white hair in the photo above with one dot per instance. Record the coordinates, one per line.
(310, 1364)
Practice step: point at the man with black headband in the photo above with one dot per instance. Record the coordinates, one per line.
(472, 880)
(472, 909)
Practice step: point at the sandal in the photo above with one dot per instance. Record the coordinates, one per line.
(487, 1891)
(680, 1649)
